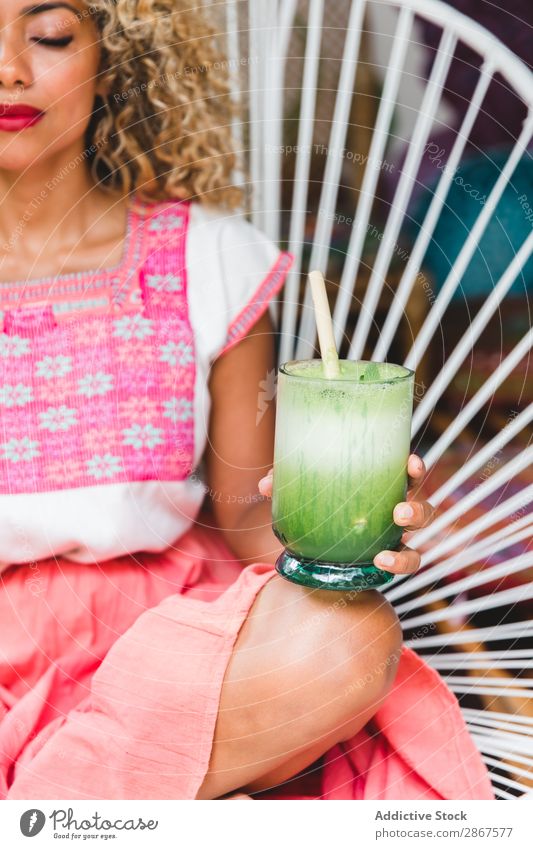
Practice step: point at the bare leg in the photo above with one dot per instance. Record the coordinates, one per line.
(309, 669)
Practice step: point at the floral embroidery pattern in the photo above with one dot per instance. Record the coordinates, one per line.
(143, 436)
(138, 408)
(95, 384)
(58, 418)
(52, 367)
(136, 351)
(171, 382)
(14, 346)
(18, 395)
(20, 449)
(133, 327)
(178, 409)
(166, 222)
(95, 437)
(106, 466)
(59, 470)
(62, 391)
(175, 353)
(88, 331)
(165, 282)
(104, 397)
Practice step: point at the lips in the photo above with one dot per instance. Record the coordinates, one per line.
(18, 116)
(18, 110)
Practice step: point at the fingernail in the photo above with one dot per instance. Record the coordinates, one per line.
(405, 513)
(385, 560)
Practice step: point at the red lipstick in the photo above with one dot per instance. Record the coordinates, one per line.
(18, 116)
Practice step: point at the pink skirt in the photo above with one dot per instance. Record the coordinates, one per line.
(111, 676)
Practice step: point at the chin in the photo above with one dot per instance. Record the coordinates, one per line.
(13, 156)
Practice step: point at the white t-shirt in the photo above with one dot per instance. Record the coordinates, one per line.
(233, 272)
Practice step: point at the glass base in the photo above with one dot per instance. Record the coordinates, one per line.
(331, 576)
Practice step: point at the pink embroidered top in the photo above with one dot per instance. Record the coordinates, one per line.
(103, 383)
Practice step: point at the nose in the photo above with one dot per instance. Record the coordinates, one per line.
(14, 69)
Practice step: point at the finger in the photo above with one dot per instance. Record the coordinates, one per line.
(265, 484)
(406, 537)
(413, 515)
(416, 470)
(402, 562)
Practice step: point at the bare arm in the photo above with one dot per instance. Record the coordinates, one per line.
(241, 444)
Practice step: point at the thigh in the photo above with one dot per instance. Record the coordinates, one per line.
(51, 609)
(309, 668)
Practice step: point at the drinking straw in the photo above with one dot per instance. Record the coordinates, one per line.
(326, 340)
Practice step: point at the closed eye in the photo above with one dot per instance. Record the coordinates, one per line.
(54, 42)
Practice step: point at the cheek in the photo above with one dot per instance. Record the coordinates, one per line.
(67, 91)
(65, 87)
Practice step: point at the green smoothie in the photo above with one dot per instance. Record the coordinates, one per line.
(340, 460)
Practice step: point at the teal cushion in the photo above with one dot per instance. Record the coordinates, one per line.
(509, 225)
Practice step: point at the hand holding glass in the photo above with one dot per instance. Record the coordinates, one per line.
(340, 467)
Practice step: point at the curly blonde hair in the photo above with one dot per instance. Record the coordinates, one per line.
(164, 127)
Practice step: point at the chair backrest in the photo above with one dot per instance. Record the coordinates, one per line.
(292, 61)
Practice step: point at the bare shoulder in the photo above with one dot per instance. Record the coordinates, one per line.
(252, 356)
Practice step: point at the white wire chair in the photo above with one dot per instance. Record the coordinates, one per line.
(260, 42)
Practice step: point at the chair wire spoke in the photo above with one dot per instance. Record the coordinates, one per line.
(303, 161)
(368, 188)
(428, 226)
(466, 343)
(330, 185)
(480, 398)
(421, 130)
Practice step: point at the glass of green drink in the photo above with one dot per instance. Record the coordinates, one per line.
(340, 467)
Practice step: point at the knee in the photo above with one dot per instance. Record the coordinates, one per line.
(353, 641)
(373, 645)
(327, 646)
